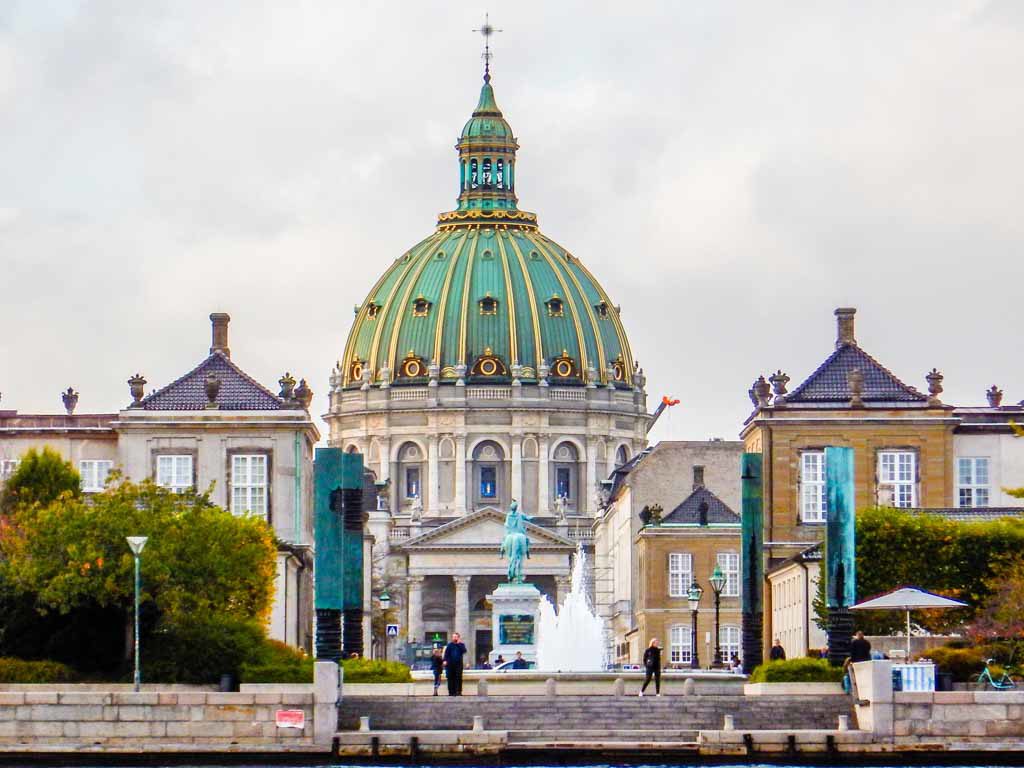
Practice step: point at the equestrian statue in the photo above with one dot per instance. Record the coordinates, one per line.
(516, 545)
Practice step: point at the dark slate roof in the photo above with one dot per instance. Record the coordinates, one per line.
(828, 383)
(238, 391)
(619, 475)
(972, 514)
(689, 510)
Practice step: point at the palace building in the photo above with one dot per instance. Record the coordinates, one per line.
(486, 364)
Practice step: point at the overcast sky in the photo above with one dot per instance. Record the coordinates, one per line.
(731, 173)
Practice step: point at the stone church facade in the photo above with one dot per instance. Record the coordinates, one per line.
(487, 364)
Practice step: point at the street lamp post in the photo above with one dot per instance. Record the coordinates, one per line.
(137, 543)
(717, 585)
(385, 603)
(694, 598)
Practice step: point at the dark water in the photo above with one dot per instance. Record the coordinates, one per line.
(160, 762)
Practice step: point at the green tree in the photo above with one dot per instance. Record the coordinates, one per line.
(1001, 615)
(41, 477)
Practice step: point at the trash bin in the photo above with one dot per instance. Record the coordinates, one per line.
(897, 680)
(944, 681)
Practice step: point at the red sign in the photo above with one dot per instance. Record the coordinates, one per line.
(290, 718)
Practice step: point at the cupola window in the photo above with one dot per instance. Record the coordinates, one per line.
(420, 307)
(487, 256)
(488, 364)
(619, 368)
(602, 310)
(563, 366)
(355, 371)
(372, 309)
(412, 367)
(487, 173)
(554, 305)
(488, 305)
(474, 174)
(499, 176)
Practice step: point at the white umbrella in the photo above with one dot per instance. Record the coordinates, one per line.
(907, 599)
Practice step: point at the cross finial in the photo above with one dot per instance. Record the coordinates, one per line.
(487, 30)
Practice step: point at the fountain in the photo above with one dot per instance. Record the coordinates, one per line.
(573, 640)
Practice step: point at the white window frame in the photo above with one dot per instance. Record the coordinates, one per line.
(250, 490)
(898, 469)
(174, 471)
(680, 644)
(94, 474)
(730, 641)
(680, 573)
(729, 562)
(812, 487)
(972, 486)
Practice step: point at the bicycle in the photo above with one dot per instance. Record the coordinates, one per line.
(1003, 683)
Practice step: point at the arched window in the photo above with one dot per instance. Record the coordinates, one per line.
(499, 174)
(565, 476)
(486, 179)
(474, 174)
(410, 471)
(488, 474)
(621, 456)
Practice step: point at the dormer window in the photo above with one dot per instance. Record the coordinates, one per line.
(602, 310)
(488, 305)
(619, 369)
(420, 307)
(563, 366)
(412, 366)
(554, 305)
(372, 309)
(355, 371)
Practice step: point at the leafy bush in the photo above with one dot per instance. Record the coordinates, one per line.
(276, 662)
(801, 670)
(200, 649)
(41, 478)
(22, 671)
(375, 671)
(963, 663)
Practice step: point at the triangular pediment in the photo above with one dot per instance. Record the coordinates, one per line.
(484, 530)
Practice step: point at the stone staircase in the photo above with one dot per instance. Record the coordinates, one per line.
(549, 719)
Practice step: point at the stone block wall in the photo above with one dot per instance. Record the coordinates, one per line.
(962, 715)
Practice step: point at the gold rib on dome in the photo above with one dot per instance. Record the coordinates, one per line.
(402, 314)
(460, 357)
(509, 301)
(443, 301)
(580, 340)
(357, 326)
(538, 341)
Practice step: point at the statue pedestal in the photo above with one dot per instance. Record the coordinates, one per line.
(514, 617)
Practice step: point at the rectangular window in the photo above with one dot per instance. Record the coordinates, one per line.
(249, 484)
(563, 484)
(174, 472)
(972, 481)
(412, 482)
(896, 469)
(680, 573)
(729, 562)
(729, 641)
(7, 467)
(94, 474)
(680, 644)
(488, 482)
(812, 486)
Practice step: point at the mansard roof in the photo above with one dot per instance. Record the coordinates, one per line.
(238, 391)
(689, 511)
(829, 382)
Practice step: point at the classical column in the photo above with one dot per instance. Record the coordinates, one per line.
(517, 468)
(460, 475)
(397, 488)
(563, 585)
(543, 485)
(586, 505)
(384, 447)
(462, 615)
(433, 484)
(414, 601)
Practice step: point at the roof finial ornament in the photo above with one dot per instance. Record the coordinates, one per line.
(487, 30)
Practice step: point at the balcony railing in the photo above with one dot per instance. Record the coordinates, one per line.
(568, 394)
(489, 393)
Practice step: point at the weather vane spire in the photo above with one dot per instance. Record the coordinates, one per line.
(487, 30)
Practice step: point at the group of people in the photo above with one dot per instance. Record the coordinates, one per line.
(450, 661)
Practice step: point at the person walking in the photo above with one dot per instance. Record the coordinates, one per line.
(652, 667)
(436, 666)
(777, 653)
(454, 653)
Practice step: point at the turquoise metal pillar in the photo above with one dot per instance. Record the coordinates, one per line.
(840, 550)
(752, 561)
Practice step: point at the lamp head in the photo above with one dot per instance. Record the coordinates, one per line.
(385, 600)
(717, 580)
(137, 543)
(694, 595)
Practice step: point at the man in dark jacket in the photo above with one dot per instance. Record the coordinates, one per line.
(777, 653)
(454, 653)
(652, 667)
(860, 649)
(519, 662)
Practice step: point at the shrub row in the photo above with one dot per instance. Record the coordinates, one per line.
(800, 670)
(34, 672)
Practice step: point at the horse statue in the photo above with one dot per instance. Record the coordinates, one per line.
(516, 545)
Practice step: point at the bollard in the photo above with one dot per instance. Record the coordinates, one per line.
(844, 722)
(689, 687)
(729, 724)
(364, 723)
(478, 722)
(619, 687)
(481, 687)
(550, 687)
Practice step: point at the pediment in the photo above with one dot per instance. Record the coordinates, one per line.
(484, 530)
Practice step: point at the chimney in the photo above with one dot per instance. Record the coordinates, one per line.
(220, 322)
(844, 326)
(698, 476)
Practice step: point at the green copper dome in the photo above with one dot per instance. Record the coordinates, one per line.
(487, 298)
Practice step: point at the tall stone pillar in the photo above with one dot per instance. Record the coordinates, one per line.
(384, 446)
(462, 616)
(517, 469)
(414, 601)
(543, 483)
(433, 484)
(460, 475)
(397, 487)
(586, 505)
(563, 585)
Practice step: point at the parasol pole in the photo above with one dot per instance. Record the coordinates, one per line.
(908, 635)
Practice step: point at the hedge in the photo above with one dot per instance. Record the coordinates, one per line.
(22, 671)
(375, 671)
(276, 662)
(801, 670)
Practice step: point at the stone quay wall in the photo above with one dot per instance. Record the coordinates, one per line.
(982, 716)
(70, 718)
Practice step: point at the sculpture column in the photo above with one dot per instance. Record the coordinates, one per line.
(462, 615)
(414, 601)
(432, 485)
(543, 484)
(517, 468)
(460, 475)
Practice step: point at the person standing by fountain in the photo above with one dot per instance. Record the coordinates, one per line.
(436, 667)
(652, 667)
(454, 653)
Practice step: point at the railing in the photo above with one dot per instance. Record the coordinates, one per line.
(568, 394)
(581, 534)
(403, 393)
(489, 393)
(398, 534)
